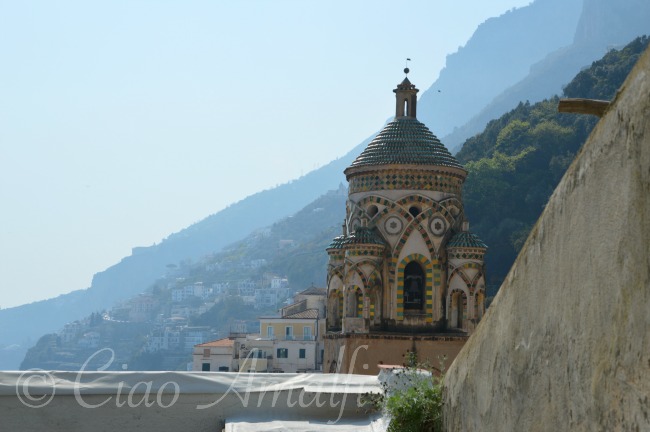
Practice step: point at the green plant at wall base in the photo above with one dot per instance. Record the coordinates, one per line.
(418, 408)
(413, 400)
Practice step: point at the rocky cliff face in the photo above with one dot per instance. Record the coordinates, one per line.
(611, 23)
(603, 25)
(566, 343)
(499, 54)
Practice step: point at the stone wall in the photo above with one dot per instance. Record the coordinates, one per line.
(566, 343)
(363, 353)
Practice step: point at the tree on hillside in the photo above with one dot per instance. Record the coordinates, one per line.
(517, 161)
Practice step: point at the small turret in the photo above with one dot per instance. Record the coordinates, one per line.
(405, 99)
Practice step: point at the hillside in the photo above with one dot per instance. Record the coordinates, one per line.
(21, 326)
(603, 25)
(516, 163)
(565, 343)
(500, 53)
(293, 248)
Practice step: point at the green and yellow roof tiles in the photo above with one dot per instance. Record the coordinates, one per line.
(365, 236)
(406, 141)
(466, 240)
(337, 242)
(361, 236)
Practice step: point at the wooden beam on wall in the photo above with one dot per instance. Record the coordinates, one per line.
(583, 106)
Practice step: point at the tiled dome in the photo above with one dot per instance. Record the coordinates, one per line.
(406, 141)
(337, 242)
(364, 235)
(466, 239)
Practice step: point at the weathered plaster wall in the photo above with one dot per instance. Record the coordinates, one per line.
(362, 353)
(566, 343)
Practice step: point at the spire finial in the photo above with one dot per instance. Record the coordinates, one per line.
(405, 97)
(406, 66)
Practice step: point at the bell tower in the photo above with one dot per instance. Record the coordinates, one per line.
(405, 274)
(405, 98)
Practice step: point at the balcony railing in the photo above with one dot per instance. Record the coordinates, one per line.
(298, 338)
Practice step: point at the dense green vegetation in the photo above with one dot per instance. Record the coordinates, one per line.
(517, 162)
(410, 398)
(605, 76)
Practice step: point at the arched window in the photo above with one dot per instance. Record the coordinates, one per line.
(356, 223)
(414, 286)
(458, 309)
(354, 302)
(414, 210)
(480, 304)
(406, 108)
(359, 299)
(335, 309)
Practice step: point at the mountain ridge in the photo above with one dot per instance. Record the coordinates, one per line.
(133, 274)
(502, 49)
(513, 167)
(20, 326)
(601, 27)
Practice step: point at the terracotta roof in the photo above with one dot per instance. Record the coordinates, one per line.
(466, 239)
(225, 342)
(406, 141)
(306, 314)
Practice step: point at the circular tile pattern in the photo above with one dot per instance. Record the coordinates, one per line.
(437, 226)
(393, 225)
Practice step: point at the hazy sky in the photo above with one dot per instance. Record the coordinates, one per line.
(122, 122)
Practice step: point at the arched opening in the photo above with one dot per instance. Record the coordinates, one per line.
(372, 210)
(453, 322)
(458, 309)
(335, 309)
(405, 113)
(359, 302)
(414, 210)
(371, 306)
(480, 304)
(354, 303)
(414, 286)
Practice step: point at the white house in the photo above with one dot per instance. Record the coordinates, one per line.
(214, 356)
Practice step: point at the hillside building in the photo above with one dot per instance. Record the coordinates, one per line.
(214, 356)
(406, 274)
(290, 342)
